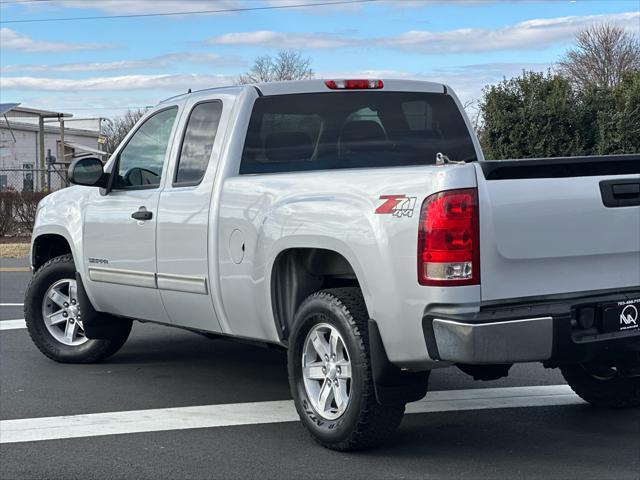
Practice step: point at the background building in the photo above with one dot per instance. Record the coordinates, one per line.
(37, 146)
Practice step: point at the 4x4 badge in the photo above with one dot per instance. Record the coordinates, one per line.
(397, 205)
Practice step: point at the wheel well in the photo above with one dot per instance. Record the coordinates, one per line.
(299, 272)
(48, 246)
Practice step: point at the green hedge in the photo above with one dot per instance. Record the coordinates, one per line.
(542, 115)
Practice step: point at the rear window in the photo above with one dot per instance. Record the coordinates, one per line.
(322, 131)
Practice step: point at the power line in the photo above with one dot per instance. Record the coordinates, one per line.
(197, 12)
(17, 2)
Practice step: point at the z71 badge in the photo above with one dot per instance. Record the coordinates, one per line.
(397, 205)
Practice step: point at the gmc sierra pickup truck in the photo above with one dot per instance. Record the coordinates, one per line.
(356, 224)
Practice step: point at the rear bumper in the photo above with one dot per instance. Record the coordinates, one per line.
(522, 340)
(546, 331)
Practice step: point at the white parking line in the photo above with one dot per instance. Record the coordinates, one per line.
(11, 304)
(207, 416)
(12, 324)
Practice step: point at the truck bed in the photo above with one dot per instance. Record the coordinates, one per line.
(558, 167)
(561, 225)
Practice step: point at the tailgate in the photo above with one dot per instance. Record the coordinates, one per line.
(552, 235)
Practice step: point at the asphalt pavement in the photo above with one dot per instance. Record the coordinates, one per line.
(164, 368)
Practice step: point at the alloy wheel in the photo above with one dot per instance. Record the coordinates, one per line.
(326, 371)
(61, 313)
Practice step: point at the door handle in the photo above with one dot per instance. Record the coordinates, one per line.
(628, 190)
(620, 193)
(142, 214)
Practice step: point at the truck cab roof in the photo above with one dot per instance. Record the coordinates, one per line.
(313, 86)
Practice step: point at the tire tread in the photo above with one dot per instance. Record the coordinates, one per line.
(617, 393)
(376, 422)
(100, 349)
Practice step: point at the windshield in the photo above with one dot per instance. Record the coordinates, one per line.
(320, 131)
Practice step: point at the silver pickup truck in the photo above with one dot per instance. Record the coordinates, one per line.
(356, 224)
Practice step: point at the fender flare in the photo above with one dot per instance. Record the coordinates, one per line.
(61, 232)
(309, 242)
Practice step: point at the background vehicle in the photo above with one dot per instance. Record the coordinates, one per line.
(356, 223)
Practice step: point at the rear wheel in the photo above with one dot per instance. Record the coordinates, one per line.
(605, 385)
(54, 317)
(330, 373)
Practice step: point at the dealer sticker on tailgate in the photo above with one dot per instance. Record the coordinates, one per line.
(621, 316)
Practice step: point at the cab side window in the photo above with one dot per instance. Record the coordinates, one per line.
(197, 143)
(141, 161)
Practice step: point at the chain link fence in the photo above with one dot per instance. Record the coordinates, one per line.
(21, 190)
(53, 178)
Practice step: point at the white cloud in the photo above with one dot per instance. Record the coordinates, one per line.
(92, 97)
(273, 39)
(12, 40)
(168, 82)
(467, 80)
(531, 34)
(161, 61)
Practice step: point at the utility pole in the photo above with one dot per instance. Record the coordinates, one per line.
(61, 153)
(41, 161)
(50, 160)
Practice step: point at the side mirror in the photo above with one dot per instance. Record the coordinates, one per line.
(88, 172)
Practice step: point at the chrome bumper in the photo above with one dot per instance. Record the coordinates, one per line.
(524, 340)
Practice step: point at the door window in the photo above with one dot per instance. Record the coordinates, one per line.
(198, 143)
(140, 162)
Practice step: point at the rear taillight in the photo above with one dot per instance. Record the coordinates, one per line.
(448, 239)
(354, 84)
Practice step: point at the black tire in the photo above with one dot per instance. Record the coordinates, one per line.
(602, 386)
(364, 423)
(91, 351)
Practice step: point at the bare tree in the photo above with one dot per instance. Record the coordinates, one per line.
(474, 112)
(285, 65)
(115, 130)
(603, 54)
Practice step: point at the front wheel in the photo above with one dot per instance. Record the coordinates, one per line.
(330, 373)
(54, 318)
(604, 385)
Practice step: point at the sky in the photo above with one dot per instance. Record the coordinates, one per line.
(100, 67)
